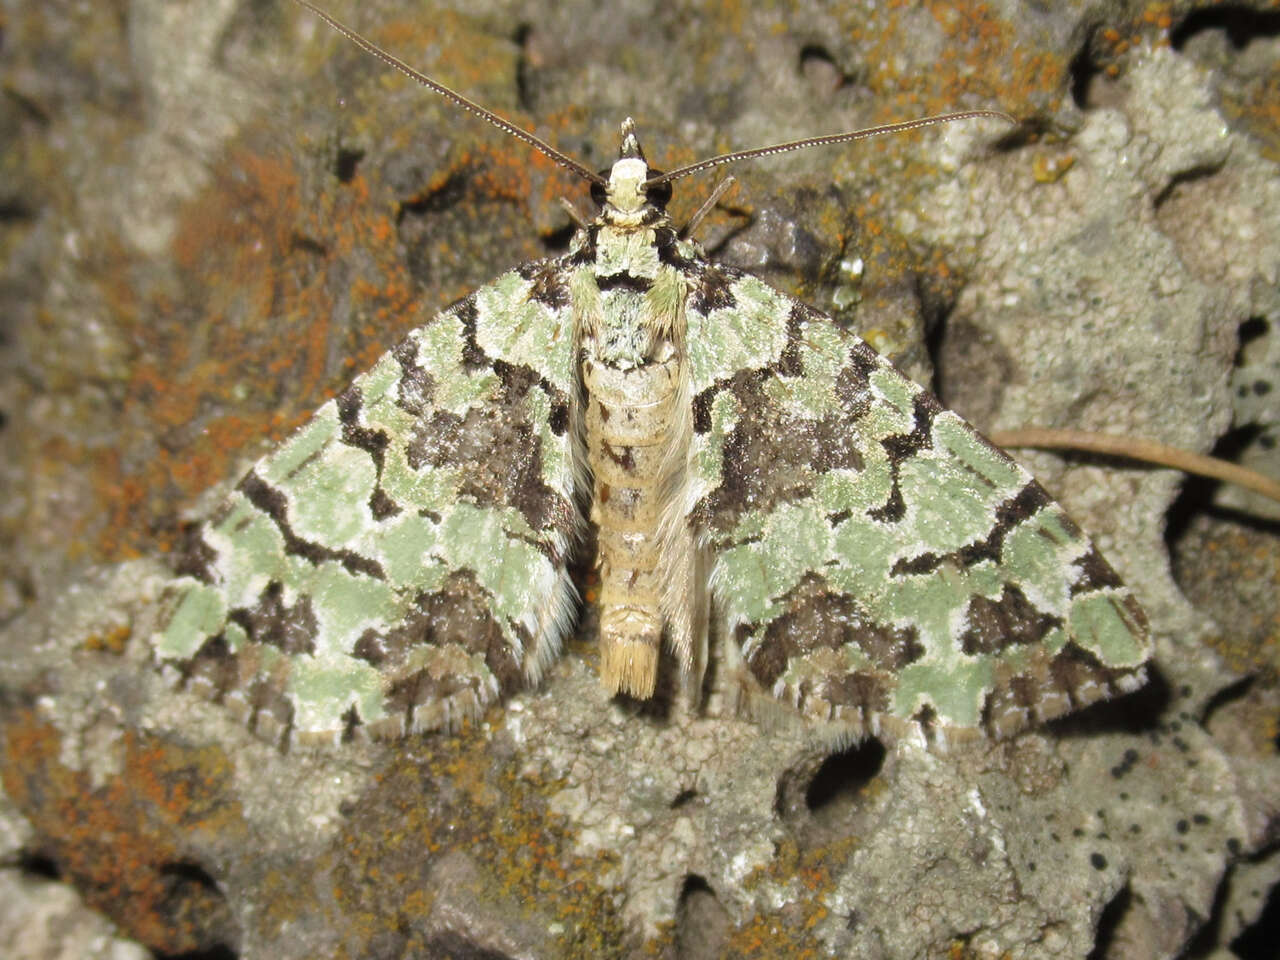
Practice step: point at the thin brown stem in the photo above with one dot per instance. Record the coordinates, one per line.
(1146, 451)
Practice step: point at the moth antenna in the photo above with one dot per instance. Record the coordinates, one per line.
(790, 145)
(708, 205)
(506, 126)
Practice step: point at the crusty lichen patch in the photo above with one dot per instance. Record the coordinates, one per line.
(451, 843)
(122, 843)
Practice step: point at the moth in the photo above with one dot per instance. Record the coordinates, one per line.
(755, 477)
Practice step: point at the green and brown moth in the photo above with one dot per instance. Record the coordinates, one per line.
(756, 476)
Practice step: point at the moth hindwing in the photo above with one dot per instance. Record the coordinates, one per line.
(754, 473)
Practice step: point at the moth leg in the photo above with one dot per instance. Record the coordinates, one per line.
(708, 205)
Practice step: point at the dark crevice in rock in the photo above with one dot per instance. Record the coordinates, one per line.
(36, 864)
(458, 947)
(1191, 175)
(1258, 940)
(820, 68)
(304, 244)
(525, 98)
(937, 298)
(1217, 550)
(843, 776)
(191, 892)
(936, 317)
(446, 195)
(1084, 70)
(1113, 914)
(188, 873)
(813, 52)
(557, 241)
(1250, 330)
(970, 368)
(1239, 23)
(702, 923)
(1132, 713)
(1230, 694)
(14, 210)
(217, 952)
(683, 798)
(1030, 131)
(822, 794)
(1198, 493)
(1207, 932)
(346, 164)
(28, 107)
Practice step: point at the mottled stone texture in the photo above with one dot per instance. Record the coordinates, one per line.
(212, 215)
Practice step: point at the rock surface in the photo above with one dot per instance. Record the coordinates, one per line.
(213, 214)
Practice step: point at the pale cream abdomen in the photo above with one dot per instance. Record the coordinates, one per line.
(631, 427)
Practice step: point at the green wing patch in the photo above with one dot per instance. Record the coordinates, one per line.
(879, 562)
(399, 562)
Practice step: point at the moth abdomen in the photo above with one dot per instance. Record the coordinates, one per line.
(631, 422)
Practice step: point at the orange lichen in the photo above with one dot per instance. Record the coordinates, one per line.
(1212, 564)
(1050, 168)
(1149, 27)
(449, 46)
(981, 57)
(112, 640)
(120, 841)
(482, 808)
(1158, 15)
(789, 931)
(1256, 105)
(255, 309)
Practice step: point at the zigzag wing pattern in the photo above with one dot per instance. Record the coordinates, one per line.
(399, 562)
(879, 563)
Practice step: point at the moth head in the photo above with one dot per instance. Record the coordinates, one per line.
(625, 191)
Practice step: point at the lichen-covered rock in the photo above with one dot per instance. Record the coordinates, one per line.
(221, 215)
